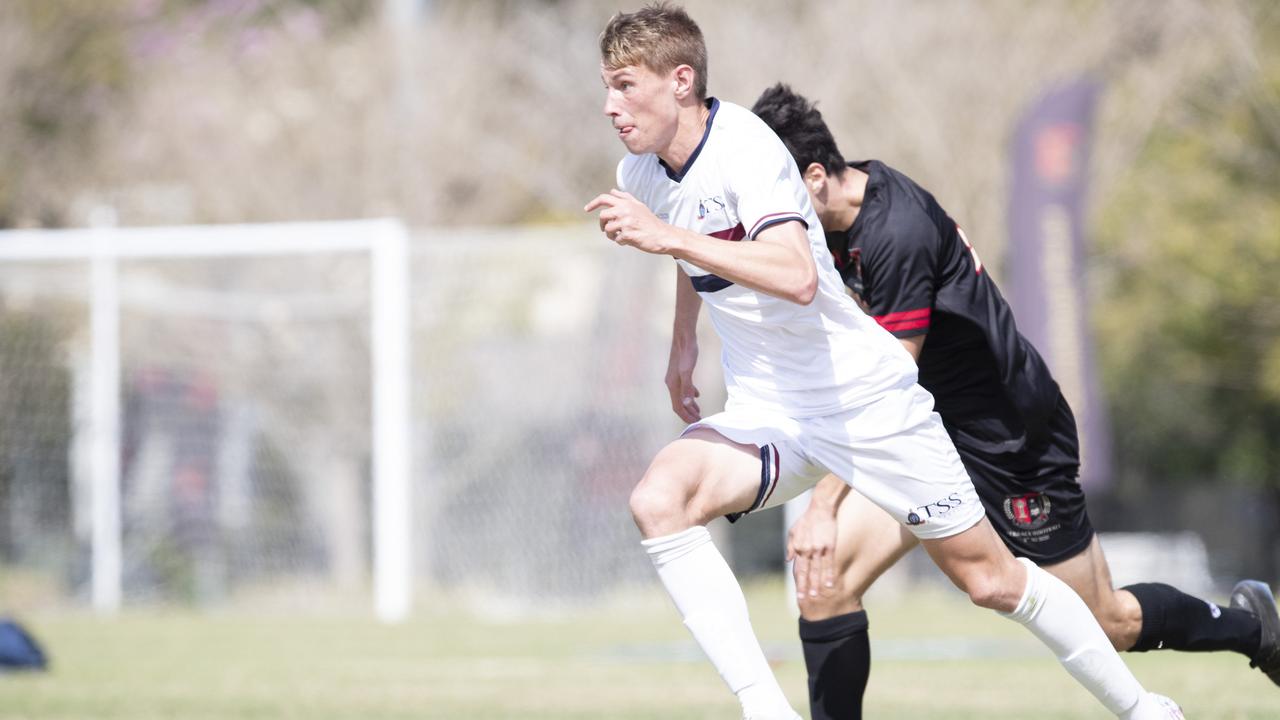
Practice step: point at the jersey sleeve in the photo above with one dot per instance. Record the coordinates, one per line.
(763, 183)
(898, 278)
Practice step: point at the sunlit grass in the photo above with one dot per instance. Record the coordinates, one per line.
(936, 657)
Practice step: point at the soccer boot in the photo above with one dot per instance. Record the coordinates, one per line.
(1256, 598)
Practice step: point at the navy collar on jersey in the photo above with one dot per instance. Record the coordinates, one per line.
(712, 105)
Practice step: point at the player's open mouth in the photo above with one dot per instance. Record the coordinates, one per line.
(625, 130)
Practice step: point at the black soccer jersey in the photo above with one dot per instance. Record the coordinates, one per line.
(915, 272)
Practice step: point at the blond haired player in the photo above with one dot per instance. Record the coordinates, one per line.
(814, 385)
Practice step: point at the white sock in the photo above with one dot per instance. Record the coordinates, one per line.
(1056, 615)
(711, 603)
(1148, 708)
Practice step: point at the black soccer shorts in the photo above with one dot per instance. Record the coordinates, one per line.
(1033, 498)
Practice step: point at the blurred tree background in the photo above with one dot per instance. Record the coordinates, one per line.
(487, 112)
(1188, 258)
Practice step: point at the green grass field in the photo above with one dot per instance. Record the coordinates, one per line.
(936, 657)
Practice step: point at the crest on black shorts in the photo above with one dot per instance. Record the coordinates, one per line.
(1028, 511)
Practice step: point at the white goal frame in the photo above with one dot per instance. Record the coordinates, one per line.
(385, 240)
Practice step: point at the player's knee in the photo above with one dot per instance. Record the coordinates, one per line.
(1116, 631)
(648, 505)
(988, 591)
(657, 506)
(815, 608)
(1122, 623)
(831, 605)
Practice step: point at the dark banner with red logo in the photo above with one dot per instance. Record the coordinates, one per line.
(1045, 272)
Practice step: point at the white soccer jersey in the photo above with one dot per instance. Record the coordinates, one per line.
(801, 360)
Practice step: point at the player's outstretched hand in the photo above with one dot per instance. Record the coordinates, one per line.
(811, 543)
(627, 221)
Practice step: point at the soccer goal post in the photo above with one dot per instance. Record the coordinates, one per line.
(243, 382)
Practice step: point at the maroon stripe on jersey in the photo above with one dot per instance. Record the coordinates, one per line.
(774, 218)
(735, 233)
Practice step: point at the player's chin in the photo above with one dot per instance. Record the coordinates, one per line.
(633, 142)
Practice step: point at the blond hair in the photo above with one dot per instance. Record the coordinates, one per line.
(660, 37)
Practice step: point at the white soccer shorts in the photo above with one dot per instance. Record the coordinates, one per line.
(894, 451)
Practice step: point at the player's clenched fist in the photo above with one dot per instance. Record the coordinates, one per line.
(627, 221)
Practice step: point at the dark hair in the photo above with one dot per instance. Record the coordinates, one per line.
(660, 37)
(800, 125)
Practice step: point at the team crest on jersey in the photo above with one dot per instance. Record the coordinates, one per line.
(1028, 511)
(706, 206)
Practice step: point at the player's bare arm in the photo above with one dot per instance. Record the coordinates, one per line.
(811, 542)
(778, 263)
(914, 345)
(684, 351)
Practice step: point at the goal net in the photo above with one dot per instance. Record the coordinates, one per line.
(209, 415)
(539, 357)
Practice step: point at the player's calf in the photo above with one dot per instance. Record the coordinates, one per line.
(1120, 616)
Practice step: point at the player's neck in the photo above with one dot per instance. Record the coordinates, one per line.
(852, 187)
(692, 125)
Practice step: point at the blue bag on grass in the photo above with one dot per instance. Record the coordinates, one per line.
(18, 650)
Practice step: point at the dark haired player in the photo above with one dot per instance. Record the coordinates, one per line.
(910, 266)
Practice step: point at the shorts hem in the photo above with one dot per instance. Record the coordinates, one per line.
(946, 532)
(1058, 557)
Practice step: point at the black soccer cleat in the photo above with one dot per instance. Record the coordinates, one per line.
(1256, 598)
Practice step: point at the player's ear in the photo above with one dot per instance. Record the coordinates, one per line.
(815, 177)
(683, 77)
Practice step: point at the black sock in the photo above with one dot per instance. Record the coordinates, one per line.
(1174, 620)
(837, 655)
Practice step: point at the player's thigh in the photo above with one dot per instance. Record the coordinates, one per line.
(897, 453)
(781, 470)
(868, 542)
(695, 478)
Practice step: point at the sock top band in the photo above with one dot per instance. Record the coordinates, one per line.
(834, 628)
